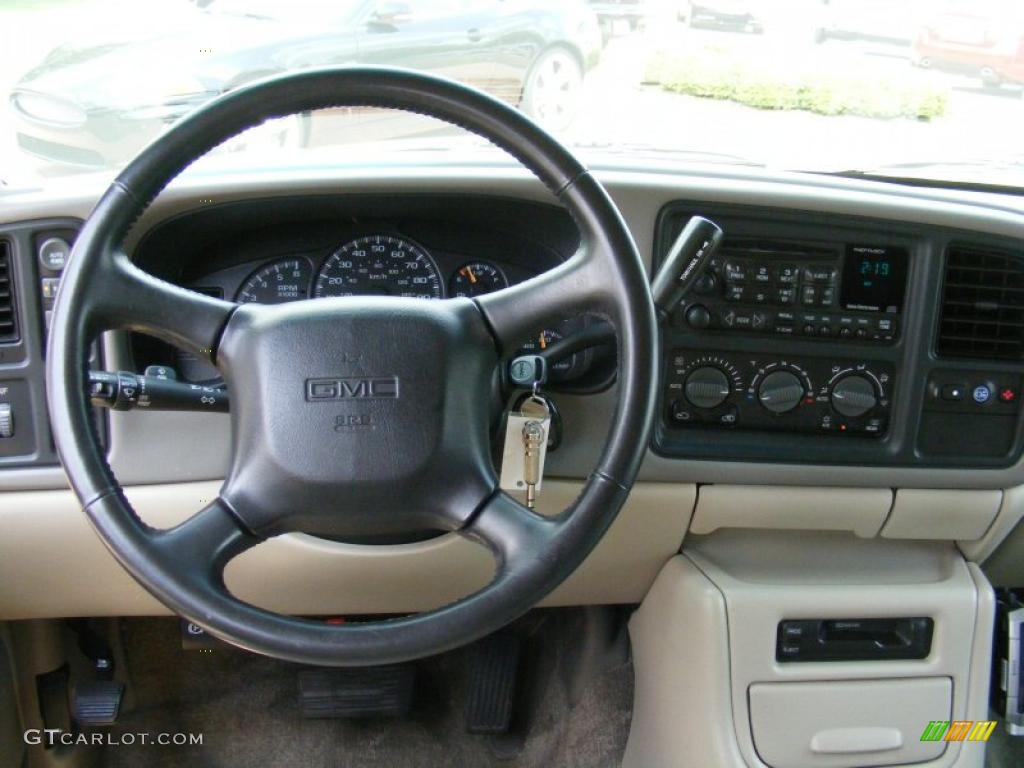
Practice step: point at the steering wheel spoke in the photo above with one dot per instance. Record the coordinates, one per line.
(205, 543)
(519, 312)
(510, 530)
(129, 298)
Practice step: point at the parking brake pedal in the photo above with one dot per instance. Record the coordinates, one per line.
(492, 684)
(353, 693)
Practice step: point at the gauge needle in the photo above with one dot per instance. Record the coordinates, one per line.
(468, 272)
(543, 341)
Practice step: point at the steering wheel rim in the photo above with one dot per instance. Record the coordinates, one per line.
(183, 567)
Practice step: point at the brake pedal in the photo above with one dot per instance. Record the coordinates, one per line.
(492, 684)
(97, 702)
(353, 693)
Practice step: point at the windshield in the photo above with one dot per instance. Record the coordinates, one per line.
(918, 88)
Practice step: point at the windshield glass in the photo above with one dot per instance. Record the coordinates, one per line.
(917, 88)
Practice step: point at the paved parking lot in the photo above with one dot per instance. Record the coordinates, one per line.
(618, 108)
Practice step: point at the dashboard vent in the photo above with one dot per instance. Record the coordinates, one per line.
(8, 312)
(982, 304)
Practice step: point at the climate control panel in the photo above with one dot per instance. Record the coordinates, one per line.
(732, 390)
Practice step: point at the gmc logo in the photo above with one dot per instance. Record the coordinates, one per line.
(361, 388)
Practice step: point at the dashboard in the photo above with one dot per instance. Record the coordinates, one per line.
(844, 335)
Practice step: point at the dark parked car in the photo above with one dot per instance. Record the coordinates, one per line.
(532, 54)
(618, 17)
(735, 15)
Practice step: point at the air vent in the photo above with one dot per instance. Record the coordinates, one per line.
(982, 304)
(8, 311)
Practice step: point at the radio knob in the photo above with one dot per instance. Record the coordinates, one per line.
(780, 392)
(853, 396)
(698, 317)
(707, 387)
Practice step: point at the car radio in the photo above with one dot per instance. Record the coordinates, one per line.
(814, 291)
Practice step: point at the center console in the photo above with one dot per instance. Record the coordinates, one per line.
(819, 650)
(820, 333)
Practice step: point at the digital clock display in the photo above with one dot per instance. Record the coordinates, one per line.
(874, 279)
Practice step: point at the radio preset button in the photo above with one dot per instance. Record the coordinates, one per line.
(788, 274)
(735, 272)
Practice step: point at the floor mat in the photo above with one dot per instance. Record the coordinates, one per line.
(245, 708)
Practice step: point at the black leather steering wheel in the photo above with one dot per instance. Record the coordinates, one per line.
(414, 456)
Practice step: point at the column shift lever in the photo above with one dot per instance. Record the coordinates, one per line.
(696, 244)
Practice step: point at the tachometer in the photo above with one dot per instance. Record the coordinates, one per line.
(277, 282)
(379, 265)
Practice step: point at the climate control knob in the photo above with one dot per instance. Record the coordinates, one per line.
(853, 396)
(780, 392)
(707, 387)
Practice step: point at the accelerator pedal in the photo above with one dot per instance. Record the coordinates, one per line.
(492, 684)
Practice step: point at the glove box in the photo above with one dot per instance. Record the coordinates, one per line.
(843, 724)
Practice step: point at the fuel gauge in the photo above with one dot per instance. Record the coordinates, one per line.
(476, 279)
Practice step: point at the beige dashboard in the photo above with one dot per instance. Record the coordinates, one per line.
(169, 462)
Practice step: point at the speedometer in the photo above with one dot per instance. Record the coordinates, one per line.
(379, 265)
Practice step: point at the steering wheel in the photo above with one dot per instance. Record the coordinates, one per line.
(356, 415)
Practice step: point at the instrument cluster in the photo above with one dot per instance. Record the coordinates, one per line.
(383, 263)
(372, 265)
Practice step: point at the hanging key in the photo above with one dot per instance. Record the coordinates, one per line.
(526, 445)
(535, 437)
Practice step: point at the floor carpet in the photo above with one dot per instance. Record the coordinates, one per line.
(245, 706)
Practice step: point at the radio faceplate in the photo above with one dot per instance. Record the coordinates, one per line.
(734, 390)
(798, 289)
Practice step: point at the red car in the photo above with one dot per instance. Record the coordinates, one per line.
(986, 38)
